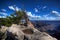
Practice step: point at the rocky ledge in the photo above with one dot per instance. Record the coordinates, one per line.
(20, 32)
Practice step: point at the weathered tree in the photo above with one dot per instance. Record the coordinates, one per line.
(21, 14)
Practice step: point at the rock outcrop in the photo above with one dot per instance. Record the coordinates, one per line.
(16, 32)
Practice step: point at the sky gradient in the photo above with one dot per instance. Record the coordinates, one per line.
(36, 9)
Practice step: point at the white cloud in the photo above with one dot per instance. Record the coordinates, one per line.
(17, 9)
(44, 7)
(36, 10)
(56, 12)
(47, 17)
(12, 8)
(33, 16)
(44, 17)
(3, 10)
(0, 16)
(3, 13)
(50, 18)
(29, 13)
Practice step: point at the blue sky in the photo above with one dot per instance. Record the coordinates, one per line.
(36, 9)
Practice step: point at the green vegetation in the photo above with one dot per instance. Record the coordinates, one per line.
(14, 18)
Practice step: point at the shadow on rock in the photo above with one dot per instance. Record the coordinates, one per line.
(11, 36)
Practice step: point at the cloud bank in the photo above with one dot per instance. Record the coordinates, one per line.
(3, 14)
(44, 17)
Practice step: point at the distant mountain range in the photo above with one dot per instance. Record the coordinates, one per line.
(51, 27)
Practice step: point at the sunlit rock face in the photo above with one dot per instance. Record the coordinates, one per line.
(3, 29)
(16, 32)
